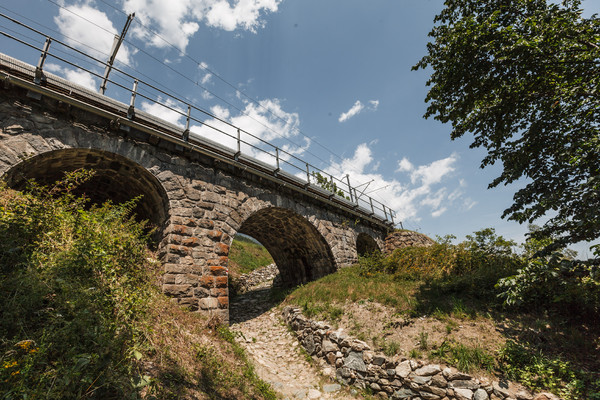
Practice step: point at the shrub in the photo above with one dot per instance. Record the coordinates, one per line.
(73, 287)
(572, 287)
(540, 372)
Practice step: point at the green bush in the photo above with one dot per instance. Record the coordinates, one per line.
(539, 372)
(73, 288)
(572, 287)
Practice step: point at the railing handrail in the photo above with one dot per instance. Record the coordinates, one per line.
(337, 185)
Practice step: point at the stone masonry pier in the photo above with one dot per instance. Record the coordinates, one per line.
(197, 202)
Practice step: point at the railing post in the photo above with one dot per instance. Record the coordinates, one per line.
(186, 133)
(39, 70)
(277, 159)
(392, 215)
(372, 208)
(307, 175)
(355, 197)
(236, 156)
(384, 212)
(349, 188)
(131, 110)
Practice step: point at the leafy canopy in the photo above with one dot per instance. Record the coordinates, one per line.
(522, 77)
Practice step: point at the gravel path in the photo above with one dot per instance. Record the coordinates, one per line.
(275, 351)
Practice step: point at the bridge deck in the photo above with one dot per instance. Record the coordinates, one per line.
(23, 75)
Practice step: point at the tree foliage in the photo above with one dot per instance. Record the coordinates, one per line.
(522, 77)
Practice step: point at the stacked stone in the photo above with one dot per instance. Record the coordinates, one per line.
(260, 275)
(393, 378)
(196, 249)
(401, 239)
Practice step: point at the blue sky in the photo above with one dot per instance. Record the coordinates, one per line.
(329, 80)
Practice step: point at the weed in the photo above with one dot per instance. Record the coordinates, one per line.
(415, 353)
(390, 348)
(423, 340)
(463, 357)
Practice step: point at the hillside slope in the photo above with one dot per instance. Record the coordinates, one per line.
(82, 316)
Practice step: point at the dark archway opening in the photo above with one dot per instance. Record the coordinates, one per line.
(366, 245)
(299, 252)
(116, 178)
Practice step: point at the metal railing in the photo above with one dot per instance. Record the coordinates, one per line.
(227, 139)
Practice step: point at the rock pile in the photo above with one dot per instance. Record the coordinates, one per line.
(401, 239)
(394, 378)
(260, 275)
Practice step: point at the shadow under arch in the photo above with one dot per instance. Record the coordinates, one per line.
(299, 250)
(366, 245)
(116, 178)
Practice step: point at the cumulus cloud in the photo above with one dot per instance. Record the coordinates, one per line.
(89, 30)
(357, 108)
(264, 121)
(171, 111)
(178, 21)
(425, 191)
(77, 76)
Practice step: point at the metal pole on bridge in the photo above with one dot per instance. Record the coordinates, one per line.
(113, 52)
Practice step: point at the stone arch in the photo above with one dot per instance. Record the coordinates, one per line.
(299, 250)
(116, 178)
(365, 244)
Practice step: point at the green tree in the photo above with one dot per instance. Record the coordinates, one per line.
(488, 242)
(522, 77)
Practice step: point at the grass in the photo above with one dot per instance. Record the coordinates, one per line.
(246, 255)
(349, 284)
(544, 350)
(82, 318)
(465, 358)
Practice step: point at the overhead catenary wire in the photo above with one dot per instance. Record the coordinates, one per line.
(279, 134)
(219, 77)
(170, 95)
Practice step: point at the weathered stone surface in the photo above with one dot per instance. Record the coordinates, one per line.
(198, 205)
(428, 370)
(403, 394)
(327, 346)
(332, 388)
(480, 394)
(464, 384)
(401, 239)
(403, 369)
(354, 360)
(546, 396)
(463, 394)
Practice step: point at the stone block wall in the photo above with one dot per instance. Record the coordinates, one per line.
(401, 239)
(395, 377)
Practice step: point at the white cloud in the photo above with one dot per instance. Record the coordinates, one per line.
(439, 212)
(177, 21)
(434, 172)
(77, 76)
(357, 108)
(173, 113)
(426, 191)
(404, 165)
(76, 23)
(264, 121)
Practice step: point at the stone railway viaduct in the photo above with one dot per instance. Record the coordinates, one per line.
(197, 195)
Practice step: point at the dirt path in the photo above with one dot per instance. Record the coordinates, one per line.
(275, 351)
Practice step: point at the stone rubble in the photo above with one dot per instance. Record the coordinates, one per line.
(266, 274)
(353, 363)
(275, 352)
